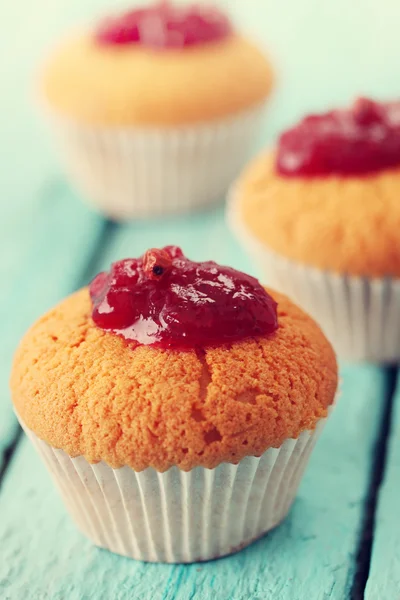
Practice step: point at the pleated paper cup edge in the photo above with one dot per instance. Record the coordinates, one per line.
(273, 518)
(128, 185)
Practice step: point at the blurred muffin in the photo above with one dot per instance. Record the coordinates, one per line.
(321, 216)
(176, 405)
(156, 109)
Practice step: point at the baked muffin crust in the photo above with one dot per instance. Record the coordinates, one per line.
(90, 393)
(341, 224)
(134, 85)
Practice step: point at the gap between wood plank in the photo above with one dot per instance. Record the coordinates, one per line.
(105, 238)
(364, 549)
(9, 451)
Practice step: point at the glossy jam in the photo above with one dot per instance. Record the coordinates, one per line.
(358, 141)
(166, 300)
(164, 25)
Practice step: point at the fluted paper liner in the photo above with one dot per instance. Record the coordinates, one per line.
(128, 172)
(359, 315)
(177, 516)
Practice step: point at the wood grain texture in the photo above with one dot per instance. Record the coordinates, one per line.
(384, 576)
(310, 557)
(53, 243)
(45, 233)
(203, 236)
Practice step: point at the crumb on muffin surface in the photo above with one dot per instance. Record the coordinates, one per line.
(132, 85)
(341, 224)
(89, 393)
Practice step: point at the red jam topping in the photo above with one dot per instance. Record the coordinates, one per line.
(164, 25)
(358, 141)
(166, 300)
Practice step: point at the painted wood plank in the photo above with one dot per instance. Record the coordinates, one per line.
(203, 236)
(41, 263)
(310, 557)
(384, 576)
(45, 234)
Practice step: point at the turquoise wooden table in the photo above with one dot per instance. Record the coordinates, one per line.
(342, 538)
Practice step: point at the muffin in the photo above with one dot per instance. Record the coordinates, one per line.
(155, 110)
(320, 215)
(176, 405)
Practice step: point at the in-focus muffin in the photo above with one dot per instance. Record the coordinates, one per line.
(156, 109)
(321, 216)
(176, 405)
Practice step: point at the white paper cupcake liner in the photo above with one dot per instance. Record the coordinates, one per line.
(142, 172)
(177, 516)
(360, 316)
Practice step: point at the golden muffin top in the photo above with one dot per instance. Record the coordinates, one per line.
(341, 224)
(90, 393)
(135, 85)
